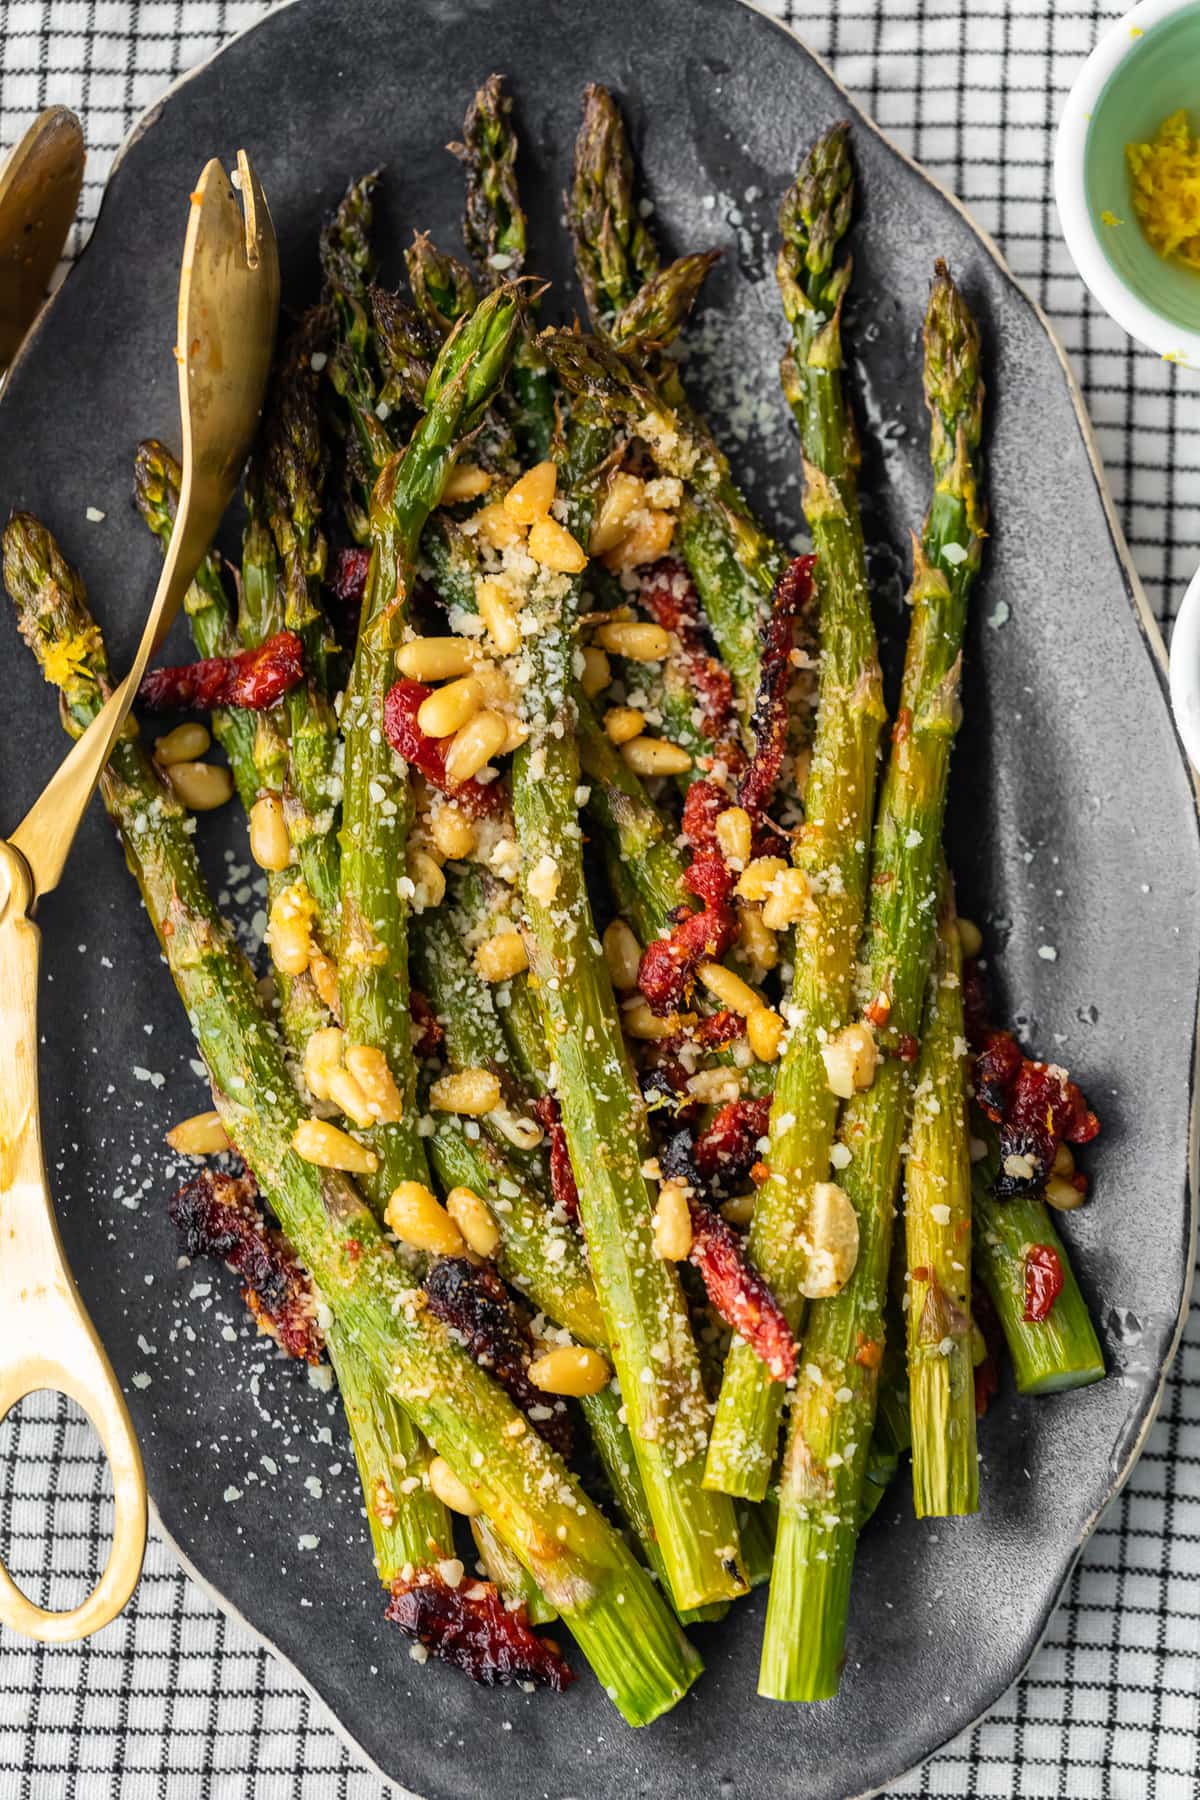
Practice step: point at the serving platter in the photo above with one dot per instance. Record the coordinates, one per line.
(1073, 835)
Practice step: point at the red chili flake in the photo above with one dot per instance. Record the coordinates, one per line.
(903, 726)
(470, 1627)
(739, 1293)
(726, 1151)
(669, 596)
(254, 679)
(878, 1011)
(473, 1301)
(907, 1048)
(1043, 1282)
(768, 722)
(987, 1372)
(430, 1033)
(869, 1353)
(548, 1114)
(219, 1215)
(348, 581)
(428, 754)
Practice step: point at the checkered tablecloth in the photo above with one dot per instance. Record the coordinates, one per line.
(174, 1701)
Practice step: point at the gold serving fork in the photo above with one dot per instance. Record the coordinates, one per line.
(39, 191)
(228, 306)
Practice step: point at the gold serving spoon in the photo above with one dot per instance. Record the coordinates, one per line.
(39, 191)
(228, 306)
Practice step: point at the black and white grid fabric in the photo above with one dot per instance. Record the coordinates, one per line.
(173, 1700)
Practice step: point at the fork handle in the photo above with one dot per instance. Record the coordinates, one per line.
(47, 1340)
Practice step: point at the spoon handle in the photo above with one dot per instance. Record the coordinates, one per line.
(47, 1340)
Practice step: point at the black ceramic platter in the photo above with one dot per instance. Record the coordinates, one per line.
(1073, 835)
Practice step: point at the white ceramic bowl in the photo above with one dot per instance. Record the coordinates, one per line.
(1146, 66)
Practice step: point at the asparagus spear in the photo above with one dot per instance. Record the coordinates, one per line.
(494, 228)
(373, 950)
(937, 1222)
(604, 1118)
(409, 1525)
(210, 613)
(1049, 1355)
(833, 1409)
(615, 254)
(839, 799)
(532, 1500)
(443, 288)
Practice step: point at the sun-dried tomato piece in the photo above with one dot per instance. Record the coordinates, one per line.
(470, 1627)
(1043, 1282)
(548, 1114)
(431, 1033)
(737, 1292)
(473, 1301)
(428, 754)
(1035, 1104)
(716, 1031)
(703, 803)
(987, 1372)
(669, 964)
(669, 596)
(219, 1215)
(254, 679)
(769, 720)
(726, 1151)
(347, 581)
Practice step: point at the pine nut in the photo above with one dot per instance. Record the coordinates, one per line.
(739, 1210)
(429, 884)
(730, 989)
(496, 526)
(531, 498)
(633, 639)
(201, 786)
(672, 1223)
(203, 1135)
(787, 900)
(1061, 1195)
(453, 1493)
(850, 1060)
(479, 739)
(522, 1134)
(348, 1097)
(622, 723)
(755, 942)
(764, 1033)
(498, 611)
(369, 1068)
(735, 835)
(622, 496)
(759, 877)
(322, 1055)
(655, 756)
(289, 928)
(970, 937)
(270, 845)
(324, 973)
(450, 707)
(1064, 1162)
(317, 1141)
(570, 1369)
(832, 1230)
(185, 744)
(649, 539)
(501, 957)
(453, 833)
(715, 1087)
(623, 956)
(597, 672)
(474, 1220)
(552, 545)
(436, 658)
(542, 881)
(517, 732)
(470, 1091)
(417, 1218)
(466, 481)
(639, 1022)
